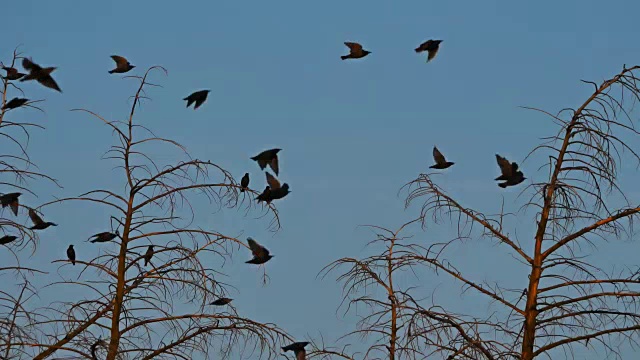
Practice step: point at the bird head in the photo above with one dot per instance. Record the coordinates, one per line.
(70, 246)
(51, 224)
(438, 41)
(131, 66)
(366, 52)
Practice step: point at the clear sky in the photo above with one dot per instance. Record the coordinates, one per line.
(352, 132)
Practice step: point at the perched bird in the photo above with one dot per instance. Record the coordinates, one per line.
(268, 157)
(38, 223)
(104, 236)
(221, 301)
(122, 65)
(441, 162)
(355, 51)
(71, 254)
(277, 191)
(298, 349)
(265, 196)
(244, 182)
(432, 46)
(15, 103)
(12, 73)
(199, 97)
(510, 173)
(148, 255)
(7, 239)
(11, 200)
(40, 74)
(260, 253)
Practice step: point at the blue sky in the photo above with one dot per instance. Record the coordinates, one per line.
(352, 132)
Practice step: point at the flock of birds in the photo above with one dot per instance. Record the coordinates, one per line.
(510, 175)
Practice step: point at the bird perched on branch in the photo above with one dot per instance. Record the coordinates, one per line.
(14, 103)
(510, 173)
(40, 74)
(221, 301)
(104, 236)
(148, 255)
(244, 182)
(38, 223)
(432, 46)
(11, 200)
(199, 97)
(298, 349)
(355, 51)
(268, 157)
(260, 253)
(122, 65)
(441, 162)
(12, 73)
(71, 254)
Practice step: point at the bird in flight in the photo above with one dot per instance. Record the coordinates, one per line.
(40, 74)
(298, 349)
(199, 97)
(441, 162)
(38, 223)
(510, 173)
(268, 157)
(431, 46)
(122, 65)
(355, 51)
(260, 253)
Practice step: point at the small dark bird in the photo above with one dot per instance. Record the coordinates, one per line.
(260, 253)
(244, 182)
(71, 254)
(268, 157)
(104, 236)
(15, 103)
(38, 223)
(441, 162)
(298, 349)
(510, 173)
(41, 75)
(221, 301)
(12, 73)
(122, 65)
(432, 46)
(7, 239)
(265, 196)
(199, 97)
(355, 51)
(11, 200)
(277, 191)
(148, 255)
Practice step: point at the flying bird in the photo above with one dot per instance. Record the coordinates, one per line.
(244, 182)
(71, 254)
(432, 46)
(7, 239)
(122, 65)
(198, 97)
(12, 73)
(441, 162)
(355, 51)
(221, 301)
(11, 200)
(268, 157)
(298, 349)
(148, 255)
(104, 236)
(14, 103)
(38, 223)
(277, 191)
(40, 74)
(260, 253)
(510, 173)
(265, 196)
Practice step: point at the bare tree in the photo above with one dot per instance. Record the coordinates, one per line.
(569, 301)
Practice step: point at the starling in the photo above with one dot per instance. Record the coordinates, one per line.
(199, 97)
(12, 73)
(104, 236)
(244, 182)
(298, 349)
(71, 254)
(148, 255)
(265, 196)
(268, 157)
(38, 223)
(41, 75)
(15, 103)
(122, 65)
(432, 46)
(355, 51)
(260, 253)
(276, 191)
(510, 173)
(7, 239)
(221, 301)
(11, 200)
(514, 180)
(441, 162)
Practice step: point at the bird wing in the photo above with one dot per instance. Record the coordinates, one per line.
(274, 164)
(14, 206)
(120, 61)
(256, 248)
(353, 46)
(11, 71)
(35, 218)
(272, 181)
(301, 354)
(49, 82)
(505, 166)
(30, 66)
(432, 54)
(438, 157)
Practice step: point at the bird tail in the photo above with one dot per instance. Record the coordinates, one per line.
(503, 185)
(73, 263)
(241, 190)
(344, 57)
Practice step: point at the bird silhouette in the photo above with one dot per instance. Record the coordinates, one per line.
(265, 196)
(268, 157)
(509, 172)
(122, 65)
(11, 200)
(14, 103)
(244, 182)
(355, 51)
(260, 253)
(12, 73)
(38, 223)
(148, 255)
(104, 236)
(40, 74)
(71, 254)
(221, 301)
(7, 239)
(198, 97)
(276, 191)
(432, 46)
(298, 349)
(441, 162)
